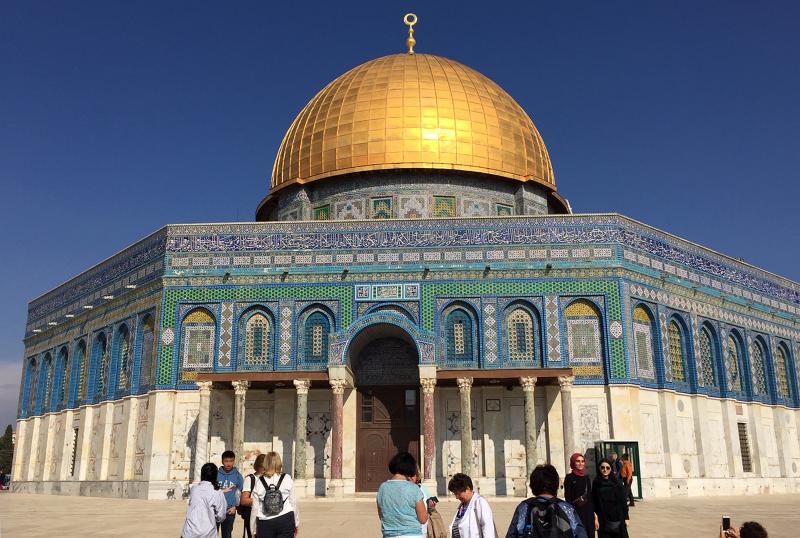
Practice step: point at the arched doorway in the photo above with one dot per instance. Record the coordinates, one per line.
(384, 361)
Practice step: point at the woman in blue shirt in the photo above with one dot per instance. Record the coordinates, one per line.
(401, 507)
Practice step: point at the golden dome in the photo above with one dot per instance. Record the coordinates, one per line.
(412, 111)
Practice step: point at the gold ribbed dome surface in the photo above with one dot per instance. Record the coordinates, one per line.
(412, 111)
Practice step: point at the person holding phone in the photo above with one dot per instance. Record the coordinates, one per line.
(750, 529)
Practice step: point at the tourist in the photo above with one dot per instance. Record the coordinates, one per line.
(231, 483)
(473, 518)
(626, 474)
(246, 502)
(616, 464)
(401, 507)
(610, 503)
(274, 511)
(549, 512)
(751, 529)
(578, 492)
(207, 506)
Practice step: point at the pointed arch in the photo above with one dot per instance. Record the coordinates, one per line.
(102, 361)
(146, 351)
(459, 323)
(81, 363)
(782, 370)
(122, 357)
(257, 330)
(315, 327)
(734, 361)
(584, 338)
(758, 368)
(644, 342)
(47, 382)
(677, 348)
(63, 385)
(198, 339)
(708, 356)
(33, 385)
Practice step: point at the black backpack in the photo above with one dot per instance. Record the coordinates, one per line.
(272, 505)
(546, 519)
(244, 511)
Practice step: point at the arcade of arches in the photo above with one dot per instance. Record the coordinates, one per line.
(349, 421)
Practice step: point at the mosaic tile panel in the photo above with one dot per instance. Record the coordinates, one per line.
(225, 333)
(553, 329)
(285, 351)
(444, 206)
(490, 330)
(758, 368)
(381, 208)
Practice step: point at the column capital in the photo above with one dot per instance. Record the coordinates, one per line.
(464, 383)
(566, 382)
(302, 385)
(428, 384)
(528, 383)
(240, 386)
(204, 386)
(337, 385)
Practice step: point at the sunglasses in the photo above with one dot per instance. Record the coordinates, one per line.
(605, 468)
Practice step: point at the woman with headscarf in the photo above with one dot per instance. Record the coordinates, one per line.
(578, 492)
(610, 503)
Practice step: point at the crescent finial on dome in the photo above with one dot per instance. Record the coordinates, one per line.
(410, 19)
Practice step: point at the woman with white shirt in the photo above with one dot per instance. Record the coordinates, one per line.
(473, 518)
(284, 524)
(207, 506)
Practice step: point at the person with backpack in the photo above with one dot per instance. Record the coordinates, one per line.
(544, 515)
(207, 506)
(578, 493)
(273, 506)
(231, 482)
(610, 502)
(401, 507)
(473, 519)
(246, 501)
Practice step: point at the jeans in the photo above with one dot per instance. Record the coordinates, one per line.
(277, 527)
(227, 525)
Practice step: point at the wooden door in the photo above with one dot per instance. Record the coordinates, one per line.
(388, 423)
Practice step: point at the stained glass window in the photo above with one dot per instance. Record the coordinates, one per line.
(643, 343)
(458, 335)
(707, 352)
(123, 358)
(33, 385)
(48, 382)
(146, 361)
(519, 327)
(82, 365)
(584, 346)
(257, 341)
(780, 373)
(322, 212)
(676, 351)
(198, 339)
(757, 367)
(732, 362)
(317, 328)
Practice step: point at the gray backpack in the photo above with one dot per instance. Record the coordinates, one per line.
(272, 505)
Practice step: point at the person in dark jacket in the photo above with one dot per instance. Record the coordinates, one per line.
(610, 503)
(578, 492)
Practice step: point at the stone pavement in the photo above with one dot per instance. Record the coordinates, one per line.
(89, 517)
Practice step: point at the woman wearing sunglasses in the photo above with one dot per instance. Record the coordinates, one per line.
(578, 492)
(610, 503)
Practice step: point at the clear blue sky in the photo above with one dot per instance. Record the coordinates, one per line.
(117, 118)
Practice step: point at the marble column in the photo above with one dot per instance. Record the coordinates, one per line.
(240, 393)
(428, 426)
(528, 386)
(565, 382)
(465, 389)
(301, 423)
(337, 387)
(201, 442)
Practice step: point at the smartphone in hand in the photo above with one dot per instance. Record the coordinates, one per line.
(726, 522)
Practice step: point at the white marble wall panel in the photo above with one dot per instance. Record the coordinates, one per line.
(258, 425)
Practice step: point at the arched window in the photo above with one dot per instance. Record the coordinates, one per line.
(677, 352)
(733, 361)
(644, 343)
(521, 331)
(148, 348)
(198, 339)
(122, 343)
(80, 362)
(33, 385)
(48, 382)
(64, 371)
(459, 335)
(757, 365)
(102, 361)
(781, 377)
(316, 329)
(584, 344)
(708, 358)
(257, 342)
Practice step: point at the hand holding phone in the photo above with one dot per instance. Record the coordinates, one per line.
(726, 522)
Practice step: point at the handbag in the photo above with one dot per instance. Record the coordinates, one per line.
(612, 526)
(582, 500)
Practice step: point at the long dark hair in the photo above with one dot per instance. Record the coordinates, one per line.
(611, 476)
(208, 473)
